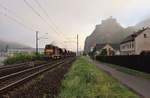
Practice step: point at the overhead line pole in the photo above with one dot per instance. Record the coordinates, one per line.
(77, 44)
(36, 42)
(38, 14)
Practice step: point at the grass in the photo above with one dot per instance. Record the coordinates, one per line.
(130, 71)
(84, 80)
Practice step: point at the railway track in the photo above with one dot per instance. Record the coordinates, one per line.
(9, 69)
(11, 81)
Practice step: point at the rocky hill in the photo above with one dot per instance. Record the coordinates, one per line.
(109, 31)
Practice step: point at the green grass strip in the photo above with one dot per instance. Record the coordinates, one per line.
(85, 80)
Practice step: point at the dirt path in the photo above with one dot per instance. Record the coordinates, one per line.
(137, 84)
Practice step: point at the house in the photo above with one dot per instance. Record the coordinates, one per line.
(136, 43)
(107, 49)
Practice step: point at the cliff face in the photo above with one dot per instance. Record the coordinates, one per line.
(109, 31)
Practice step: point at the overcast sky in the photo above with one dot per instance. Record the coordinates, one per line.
(65, 19)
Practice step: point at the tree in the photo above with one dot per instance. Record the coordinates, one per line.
(103, 52)
(92, 53)
(6, 48)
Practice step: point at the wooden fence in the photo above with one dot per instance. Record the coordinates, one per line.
(137, 62)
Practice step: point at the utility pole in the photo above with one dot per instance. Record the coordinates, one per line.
(37, 42)
(77, 44)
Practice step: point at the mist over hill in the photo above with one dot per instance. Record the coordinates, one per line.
(109, 31)
(144, 23)
(4, 44)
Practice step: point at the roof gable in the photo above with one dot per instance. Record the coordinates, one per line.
(133, 36)
(100, 46)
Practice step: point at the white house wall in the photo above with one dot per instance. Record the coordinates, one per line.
(127, 48)
(142, 43)
(108, 47)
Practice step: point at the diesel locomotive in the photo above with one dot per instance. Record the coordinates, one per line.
(54, 52)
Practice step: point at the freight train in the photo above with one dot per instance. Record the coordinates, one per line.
(54, 52)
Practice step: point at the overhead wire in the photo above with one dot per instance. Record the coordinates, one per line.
(49, 18)
(18, 22)
(9, 13)
(13, 16)
(52, 22)
(38, 14)
(45, 21)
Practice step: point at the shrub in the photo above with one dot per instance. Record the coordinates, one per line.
(21, 58)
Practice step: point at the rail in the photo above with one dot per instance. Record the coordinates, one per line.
(41, 69)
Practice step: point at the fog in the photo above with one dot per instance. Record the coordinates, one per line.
(65, 19)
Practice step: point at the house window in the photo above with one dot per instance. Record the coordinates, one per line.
(145, 35)
(130, 45)
(122, 47)
(127, 45)
(133, 45)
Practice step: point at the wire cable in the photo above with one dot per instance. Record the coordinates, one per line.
(18, 22)
(50, 19)
(21, 22)
(38, 14)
